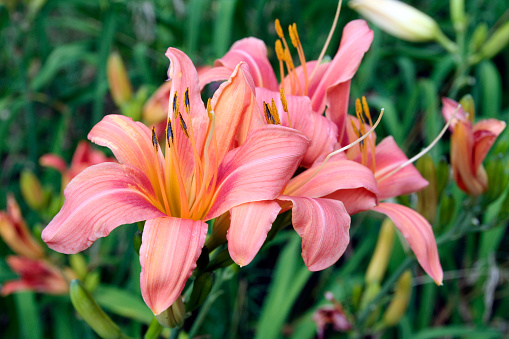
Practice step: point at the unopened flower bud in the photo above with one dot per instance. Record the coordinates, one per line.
(120, 85)
(468, 105)
(398, 19)
(478, 37)
(88, 309)
(447, 207)
(427, 197)
(222, 259)
(497, 178)
(381, 255)
(458, 14)
(201, 289)
(399, 303)
(32, 191)
(369, 294)
(174, 315)
(442, 176)
(496, 42)
(78, 265)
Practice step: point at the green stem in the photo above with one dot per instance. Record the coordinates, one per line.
(153, 330)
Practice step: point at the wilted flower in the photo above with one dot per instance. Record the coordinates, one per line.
(470, 143)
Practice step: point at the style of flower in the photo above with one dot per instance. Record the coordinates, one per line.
(36, 273)
(202, 175)
(84, 156)
(470, 143)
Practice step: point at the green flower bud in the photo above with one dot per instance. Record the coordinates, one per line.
(32, 191)
(399, 303)
(369, 294)
(447, 207)
(497, 178)
(427, 198)
(120, 85)
(201, 289)
(496, 42)
(442, 175)
(222, 259)
(381, 255)
(78, 265)
(458, 14)
(88, 309)
(174, 315)
(478, 37)
(468, 105)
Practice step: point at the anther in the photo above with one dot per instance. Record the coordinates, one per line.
(209, 109)
(183, 125)
(175, 105)
(285, 105)
(155, 142)
(279, 30)
(187, 105)
(275, 113)
(279, 50)
(169, 132)
(268, 115)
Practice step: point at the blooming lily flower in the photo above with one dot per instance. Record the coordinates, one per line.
(84, 156)
(323, 84)
(15, 233)
(201, 176)
(37, 275)
(470, 143)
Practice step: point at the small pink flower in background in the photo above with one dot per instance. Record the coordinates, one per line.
(15, 233)
(470, 143)
(202, 175)
(84, 156)
(36, 275)
(331, 315)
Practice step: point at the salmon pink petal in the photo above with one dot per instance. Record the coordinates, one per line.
(449, 107)
(98, 200)
(323, 225)
(53, 161)
(253, 52)
(355, 42)
(485, 134)
(355, 200)
(337, 100)
(419, 234)
(261, 166)
(235, 107)
(299, 72)
(130, 142)
(250, 223)
(169, 250)
(215, 74)
(335, 175)
(388, 156)
(320, 130)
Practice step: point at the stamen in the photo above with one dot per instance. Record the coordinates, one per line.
(268, 115)
(175, 106)
(169, 132)
(183, 125)
(280, 56)
(279, 30)
(424, 151)
(155, 142)
(187, 105)
(294, 35)
(285, 105)
(275, 113)
(329, 37)
(209, 109)
(366, 110)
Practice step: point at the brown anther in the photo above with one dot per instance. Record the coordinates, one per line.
(169, 132)
(183, 125)
(155, 142)
(187, 104)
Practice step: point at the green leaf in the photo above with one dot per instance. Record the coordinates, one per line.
(28, 315)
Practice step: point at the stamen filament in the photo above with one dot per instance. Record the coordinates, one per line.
(155, 142)
(294, 35)
(327, 42)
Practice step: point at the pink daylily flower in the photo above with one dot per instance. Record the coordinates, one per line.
(202, 175)
(329, 85)
(470, 143)
(37, 275)
(15, 233)
(84, 157)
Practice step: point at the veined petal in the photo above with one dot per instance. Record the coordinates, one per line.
(259, 169)
(419, 234)
(355, 200)
(235, 108)
(130, 142)
(299, 72)
(355, 42)
(336, 175)
(323, 225)
(169, 250)
(218, 73)
(53, 161)
(337, 100)
(250, 223)
(98, 200)
(321, 131)
(388, 156)
(253, 52)
(485, 134)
